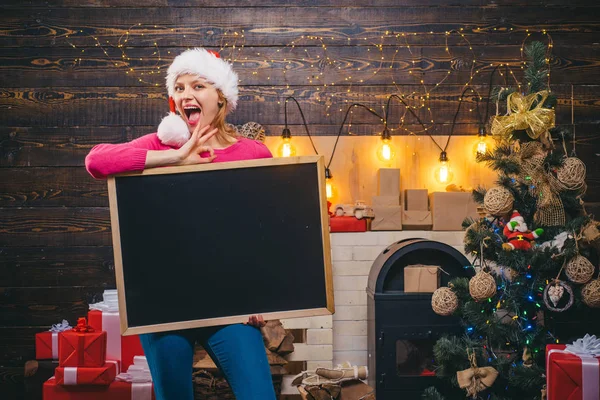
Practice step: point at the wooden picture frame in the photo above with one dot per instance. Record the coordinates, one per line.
(131, 191)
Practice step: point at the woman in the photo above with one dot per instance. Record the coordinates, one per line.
(203, 89)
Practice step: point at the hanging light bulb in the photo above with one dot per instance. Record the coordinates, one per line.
(481, 145)
(443, 173)
(329, 188)
(385, 150)
(286, 148)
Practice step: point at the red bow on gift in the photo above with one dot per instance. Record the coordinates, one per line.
(82, 326)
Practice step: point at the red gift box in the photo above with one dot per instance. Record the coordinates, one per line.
(82, 346)
(120, 348)
(46, 346)
(570, 376)
(116, 391)
(87, 376)
(347, 224)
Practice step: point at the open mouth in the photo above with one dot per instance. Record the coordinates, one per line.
(193, 114)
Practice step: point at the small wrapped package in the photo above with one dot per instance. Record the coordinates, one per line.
(450, 209)
(386, 200)
(46, 343)
(416, 220)
(388, 182)
(421, 278)
(347, 224)
(82, 346)
(416, 200)
(87, 376)
(387, 218)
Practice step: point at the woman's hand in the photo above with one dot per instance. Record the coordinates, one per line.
(256, 321)
(189, 153)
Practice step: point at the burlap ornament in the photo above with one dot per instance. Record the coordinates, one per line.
(476, 379)
(572, 173)
(590, 233)
(498, 201)
(579, 269)
(482, 286)
(444, 301)
(590, 294)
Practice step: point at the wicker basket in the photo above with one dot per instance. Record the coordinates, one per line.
(210, 387)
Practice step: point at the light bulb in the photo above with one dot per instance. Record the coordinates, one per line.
(286, 148)
(481, 145)
(443, 173)
(329, 188)
(385, 150)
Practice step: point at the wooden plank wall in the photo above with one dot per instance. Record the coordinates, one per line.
(60, 94)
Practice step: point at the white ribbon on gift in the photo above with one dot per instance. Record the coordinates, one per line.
(586, 349)
(56, 329)
(138, 372)
(141, 391)
(110, 323)
(70, 376)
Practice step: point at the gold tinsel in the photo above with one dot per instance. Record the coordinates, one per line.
(572, 173)
(590, 294)
(498, 201)
(482, 286)
(444, 301)
(536, 121)
(579, 269)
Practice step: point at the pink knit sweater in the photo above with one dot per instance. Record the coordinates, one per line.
(109, 159)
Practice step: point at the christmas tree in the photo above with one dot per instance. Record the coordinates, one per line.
(531, 253)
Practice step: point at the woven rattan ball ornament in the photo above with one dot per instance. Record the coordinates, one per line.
(482, 286)
(579, 269)
(590, 294)
(498, 201)
(444, 301)
(572, 173)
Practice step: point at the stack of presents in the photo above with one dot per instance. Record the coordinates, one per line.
(94, 362)
(412, 209)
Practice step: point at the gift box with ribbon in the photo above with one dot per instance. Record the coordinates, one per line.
(347, 224)
(46, 343)
(104, 316)
(82, 346)
(87, 376)
(573, 370)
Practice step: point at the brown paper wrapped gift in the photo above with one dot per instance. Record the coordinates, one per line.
(450, 209)
(416, 199)
(388, 182)
(387, 218)
(386, 200)
(416, 220)
(421, 278)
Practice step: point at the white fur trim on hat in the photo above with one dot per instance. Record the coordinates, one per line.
(202, 63)
(173, 131)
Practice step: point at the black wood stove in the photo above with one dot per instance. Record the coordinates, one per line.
(402, 327)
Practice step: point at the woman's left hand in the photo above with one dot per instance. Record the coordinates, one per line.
(256, 321)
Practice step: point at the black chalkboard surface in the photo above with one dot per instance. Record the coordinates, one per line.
(212, 244)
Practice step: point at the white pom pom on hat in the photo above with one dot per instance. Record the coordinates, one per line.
(173, 131)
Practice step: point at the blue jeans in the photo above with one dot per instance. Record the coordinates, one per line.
(237, 350)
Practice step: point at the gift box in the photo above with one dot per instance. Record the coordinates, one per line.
(387, 218)
(386, 200)
(105, 316)
(388, 182)
(573, 376)
(117, 390)
(46, 343)
(416, 220)
(82, 346)
(347, 224)
(421, 278)
(87, 376)
(416, 199)
(449, 210)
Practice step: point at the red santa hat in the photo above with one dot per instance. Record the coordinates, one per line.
(517, 217)
(206, 64)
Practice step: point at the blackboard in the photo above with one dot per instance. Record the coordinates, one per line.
(212, 244)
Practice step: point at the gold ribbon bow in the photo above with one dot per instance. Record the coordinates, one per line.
(520, 116)
(476, 379)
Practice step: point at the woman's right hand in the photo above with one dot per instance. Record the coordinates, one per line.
(189, 153)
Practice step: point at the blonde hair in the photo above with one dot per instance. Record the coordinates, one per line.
(226, 133)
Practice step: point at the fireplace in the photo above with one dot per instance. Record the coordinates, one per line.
(402, 327)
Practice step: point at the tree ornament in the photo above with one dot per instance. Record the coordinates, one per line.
(590, 294)
(590, 233)
(476, 379)
(518, 235)
(572, 173)
(498, 201)
(482, 286)
(558, 294)
(444, 301)
(579, 269)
